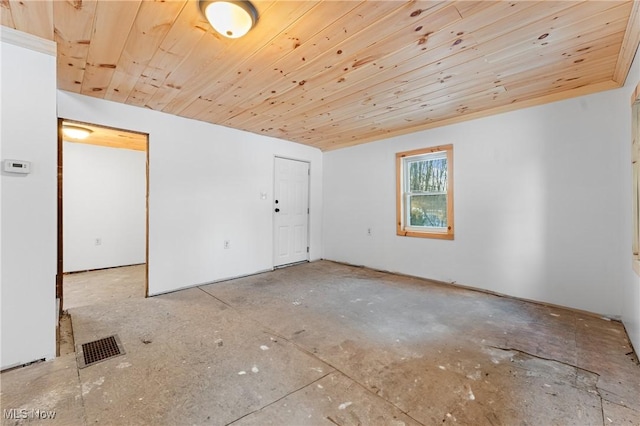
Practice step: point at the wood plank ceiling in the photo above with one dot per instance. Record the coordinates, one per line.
(332, 74)
(108, 137)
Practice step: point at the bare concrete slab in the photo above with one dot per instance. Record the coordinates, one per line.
(189, 360)
(43, 393)
(443, 354)
(334, 399)
(326, 344)
(105, 285)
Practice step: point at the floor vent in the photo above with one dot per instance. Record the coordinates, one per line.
(99, 350)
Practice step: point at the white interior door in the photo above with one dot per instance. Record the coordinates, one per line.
(291, 211)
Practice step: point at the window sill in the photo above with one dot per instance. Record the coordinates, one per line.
(435, 235)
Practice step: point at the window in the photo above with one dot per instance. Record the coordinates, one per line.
(424, 192)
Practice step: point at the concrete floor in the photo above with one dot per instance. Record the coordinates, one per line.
(326, 344)
(104, 285)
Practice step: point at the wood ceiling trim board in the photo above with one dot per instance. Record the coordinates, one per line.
(33, 17)
(111, 29)
(6, 18)
(151, 25)
(359, 50)
(561, 33)
(73, 28)
(183, 37)
(294, 37)
(28, 41)
(273, 21)
(629, 45)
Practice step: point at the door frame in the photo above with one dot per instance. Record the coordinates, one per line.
(60, 234)
(273, 215)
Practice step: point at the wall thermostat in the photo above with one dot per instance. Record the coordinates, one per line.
(17, 166)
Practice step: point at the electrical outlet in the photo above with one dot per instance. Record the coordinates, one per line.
(227, 244)
(98, 241)
(369, 232)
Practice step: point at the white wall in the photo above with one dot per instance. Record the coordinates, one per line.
(104, 196)
(542, 206)
(28, 231)
(631, 281)
(205, 183)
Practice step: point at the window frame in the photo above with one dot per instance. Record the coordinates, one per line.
(635, 173)
(402, 228)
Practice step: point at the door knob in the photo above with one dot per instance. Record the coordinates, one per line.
(277, 210)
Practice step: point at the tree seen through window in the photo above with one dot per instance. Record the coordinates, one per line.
(424, 200)
(427, 188)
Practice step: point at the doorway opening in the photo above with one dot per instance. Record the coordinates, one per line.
(103, 187)
(291, 212)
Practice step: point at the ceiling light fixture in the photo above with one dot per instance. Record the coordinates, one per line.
(76, 132)
(232, 19)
